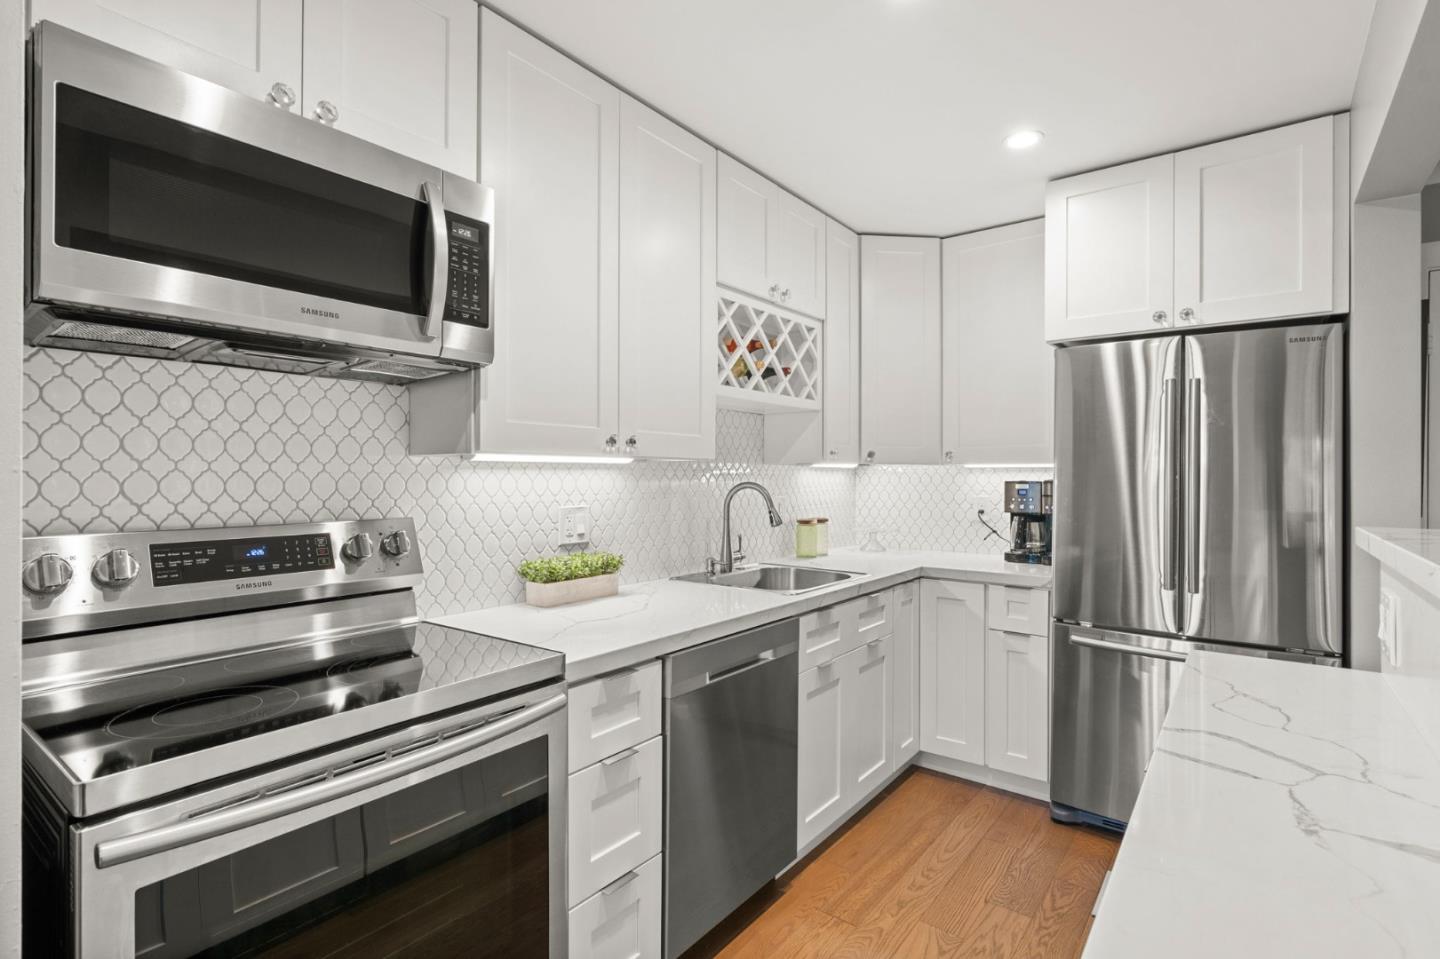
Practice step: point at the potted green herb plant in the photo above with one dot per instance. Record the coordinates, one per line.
(557, 580)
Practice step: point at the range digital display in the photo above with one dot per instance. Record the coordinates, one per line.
(207, 561)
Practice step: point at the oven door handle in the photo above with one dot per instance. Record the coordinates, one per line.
(440, 264)
(114, 852)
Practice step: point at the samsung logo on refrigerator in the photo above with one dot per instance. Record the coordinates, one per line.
(1306, 339)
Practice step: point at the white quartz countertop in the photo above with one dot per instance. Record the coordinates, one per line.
(1413, 553)
(663, 616)
(1290, 810)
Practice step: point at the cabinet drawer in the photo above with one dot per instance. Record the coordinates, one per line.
(1018, 609)
(614, 817)
(613, 713)
(872, 616)
(621, 921)
(826, 635)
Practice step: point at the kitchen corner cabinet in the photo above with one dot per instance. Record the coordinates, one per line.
(900, 342)
(998, 387)
(952, 670)
(771, 244)
(1017, 703)
(400, 73)
(248, 47)
(1253, 228)
(841, 413)
(556, 143)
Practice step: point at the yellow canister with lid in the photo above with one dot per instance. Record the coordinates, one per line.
(812, 537)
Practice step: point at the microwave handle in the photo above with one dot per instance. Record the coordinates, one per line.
(440, 265)
(113, 852)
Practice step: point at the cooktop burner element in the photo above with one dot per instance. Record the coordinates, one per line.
(206, 712)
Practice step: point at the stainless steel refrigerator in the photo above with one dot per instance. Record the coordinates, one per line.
(1198, 504)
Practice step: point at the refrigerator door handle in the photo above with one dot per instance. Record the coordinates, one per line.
(1194, 485)
(1122, 648)
(1168, 391)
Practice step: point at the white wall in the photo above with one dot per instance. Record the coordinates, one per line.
(1395, 141)
(12, 192)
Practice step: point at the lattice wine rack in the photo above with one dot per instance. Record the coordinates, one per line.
(766, 360)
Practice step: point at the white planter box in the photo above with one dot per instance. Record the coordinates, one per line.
(572, 591)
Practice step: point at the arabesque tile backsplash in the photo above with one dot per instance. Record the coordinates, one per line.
(118, 443)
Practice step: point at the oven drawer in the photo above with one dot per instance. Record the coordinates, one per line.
(615, 817)
(621, 921)
(1018, 609)
(613, 713)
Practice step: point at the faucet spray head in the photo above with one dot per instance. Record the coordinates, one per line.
(775, 518)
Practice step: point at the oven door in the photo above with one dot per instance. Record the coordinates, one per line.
(445, 840)
(158, 194)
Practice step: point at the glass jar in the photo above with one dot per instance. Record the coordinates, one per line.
(812, 537)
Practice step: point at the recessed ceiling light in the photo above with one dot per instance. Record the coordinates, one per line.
(1023, 139)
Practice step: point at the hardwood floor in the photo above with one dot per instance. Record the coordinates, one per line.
(934, 867)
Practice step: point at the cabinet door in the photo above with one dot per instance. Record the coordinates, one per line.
(841, 383)
(900, 343)
(747, 205)
(1255, 226)
(549, 145)
(243, 46)
(866, 739)
(667, 287)
(400, 73)
(999, 373)
(623, 920)
(797, 245)
(1109, 251)
(952, 670)
(1017, 703)
(821, 784)
(905, 676)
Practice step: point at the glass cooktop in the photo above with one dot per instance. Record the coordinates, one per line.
(104, 728)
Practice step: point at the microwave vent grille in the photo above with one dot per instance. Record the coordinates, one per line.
(268, 361)
(390, 372)
(121, 335)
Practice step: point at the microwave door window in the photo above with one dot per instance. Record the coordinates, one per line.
(147, 188)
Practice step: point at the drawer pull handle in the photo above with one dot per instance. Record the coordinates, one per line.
(620, 757)
(620, 883)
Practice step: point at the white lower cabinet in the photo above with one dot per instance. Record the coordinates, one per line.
(952, 670)
(614, 818)
(1017, 703)
(621, 921)
(866, 747)
(820, 786)
(905, 675)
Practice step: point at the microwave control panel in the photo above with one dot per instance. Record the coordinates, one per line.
(469, 296)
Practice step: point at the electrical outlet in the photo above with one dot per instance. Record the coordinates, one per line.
(574, 524)
(1390, 627)
(980, 504)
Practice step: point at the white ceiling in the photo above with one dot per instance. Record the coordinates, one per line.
(889, 114)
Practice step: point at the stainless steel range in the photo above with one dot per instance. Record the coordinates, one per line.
(244, 741)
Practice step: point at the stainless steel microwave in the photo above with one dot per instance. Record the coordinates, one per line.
(175, 218)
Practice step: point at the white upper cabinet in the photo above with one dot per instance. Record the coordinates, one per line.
(842, 346)
(549, 145)
(998, 380)
(1255, 225)
(900, 344)
(400, 73)
(667, 287)
(771, 244)
(1109, 251)
(249, 47)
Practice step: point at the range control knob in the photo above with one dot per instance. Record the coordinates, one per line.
(358, 547)
(396, 543)
(46, 573)
(115, 569)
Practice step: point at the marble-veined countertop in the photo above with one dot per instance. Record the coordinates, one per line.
(1290, 810)
(1413, 553)
(664, 616)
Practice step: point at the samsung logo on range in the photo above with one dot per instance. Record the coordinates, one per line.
(327, 314)
(254, 584)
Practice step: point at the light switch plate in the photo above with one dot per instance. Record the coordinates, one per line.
(574, 525)
(1390, 626)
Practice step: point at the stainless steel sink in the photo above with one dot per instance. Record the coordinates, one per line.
(775, 579)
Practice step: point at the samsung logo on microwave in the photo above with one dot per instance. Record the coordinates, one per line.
(254, 584)
(1306, 339)
(327, 314)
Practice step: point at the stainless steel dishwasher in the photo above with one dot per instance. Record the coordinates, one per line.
(731, 709)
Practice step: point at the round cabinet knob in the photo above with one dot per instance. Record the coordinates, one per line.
(1159, 316)
(358, 547)
(281, 95)
(949, 456)
(46, 573)
(396, 543)
(630, 444)
(611, 442)
(1187, 314)
(785, 295)
(115, 569)
(775, 291)
(834, 452)
(327, 112)
(869, 456)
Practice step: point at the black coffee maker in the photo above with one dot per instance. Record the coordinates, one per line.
(1031, 505)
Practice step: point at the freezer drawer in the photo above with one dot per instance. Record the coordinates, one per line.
(1109, 695)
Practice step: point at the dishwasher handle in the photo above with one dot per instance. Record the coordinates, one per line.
(766, 657)
(732, 657)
